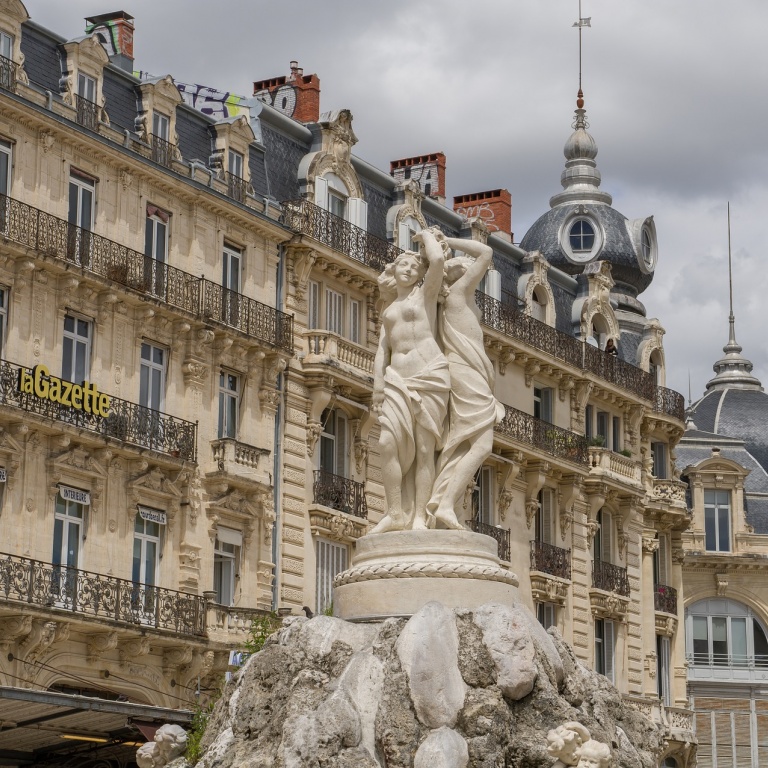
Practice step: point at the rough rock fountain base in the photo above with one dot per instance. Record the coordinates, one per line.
(397, 573)
(444, 689)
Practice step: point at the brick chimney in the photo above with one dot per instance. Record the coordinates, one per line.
(428, 171)
(296, 95)
(115, 32)
(493, 207)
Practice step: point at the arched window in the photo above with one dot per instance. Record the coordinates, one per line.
(654, 366)
(723, 633)
(539, 304)
(407, 229)
(582, 236)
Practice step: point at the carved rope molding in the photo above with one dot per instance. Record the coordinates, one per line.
(425, 570)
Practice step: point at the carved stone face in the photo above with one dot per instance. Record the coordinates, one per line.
(408, 269)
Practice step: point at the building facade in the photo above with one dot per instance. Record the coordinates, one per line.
(189, 321)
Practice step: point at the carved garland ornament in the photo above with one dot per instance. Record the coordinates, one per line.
(428, 570)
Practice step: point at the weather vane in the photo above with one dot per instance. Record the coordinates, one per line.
(581, 23)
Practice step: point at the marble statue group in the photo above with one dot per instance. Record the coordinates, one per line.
(433, 382)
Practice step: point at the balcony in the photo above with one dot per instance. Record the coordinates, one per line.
(500, 534)
(227, 450)
(329, 348)
(87, 113)
(162, 151)
(61, 588)
(614, 466)
(610, 578)
(237, 186)
(556, 441)
(306, 218)
(8, 74)
(58, 239)
(665, 599)
(125, 421)
(547, 558)
(727, 667)
(670, 492)
(511, 321)
(340, 493)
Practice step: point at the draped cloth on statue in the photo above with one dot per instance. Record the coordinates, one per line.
(472, 408)
(420, 399)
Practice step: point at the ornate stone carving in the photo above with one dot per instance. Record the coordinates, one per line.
(100, 643)
(314, 430)
(721, 584)
(425, 570)
(573, 745)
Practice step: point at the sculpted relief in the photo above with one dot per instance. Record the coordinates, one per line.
(433, 382)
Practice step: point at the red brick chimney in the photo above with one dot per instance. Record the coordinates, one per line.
(296, 95)
(115, 32)
(427, 170)
(493, 207)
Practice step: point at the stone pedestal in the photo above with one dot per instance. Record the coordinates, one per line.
(397, 573)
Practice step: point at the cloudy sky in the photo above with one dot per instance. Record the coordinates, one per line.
(675, 94)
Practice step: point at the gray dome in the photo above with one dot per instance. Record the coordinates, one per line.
(617, 240)
(617, 248)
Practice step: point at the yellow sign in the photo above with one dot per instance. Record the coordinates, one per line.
(81, 397)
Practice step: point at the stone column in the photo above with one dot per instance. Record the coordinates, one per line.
(650, 545)
(679, 666)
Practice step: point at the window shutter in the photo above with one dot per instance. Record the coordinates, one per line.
(486, 495)
(403, 236)
(354, 321)
(546, 516)
(357, 212)
(314, 305)
(341, 445)
(321, 192)
(606, 537)
(334, 317)
(546, 404)
(663, 570)
(609, 645)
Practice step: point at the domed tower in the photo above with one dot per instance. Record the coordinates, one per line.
(581, 227)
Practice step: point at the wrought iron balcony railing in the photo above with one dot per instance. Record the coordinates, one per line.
(340, 493)
(550, 559)
(237, 186)
(556, 441)
(87, 112)
(309, 219)
(665, 599)
(163, 152)
(125, 421)
(511, 321)
(610, 578)
(61, 587)
(8, 70)
(57, 238)
(500, 534)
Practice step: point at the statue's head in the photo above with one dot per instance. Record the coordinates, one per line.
(564, 742)
(594, 754)
(454, 268)
(407, 269)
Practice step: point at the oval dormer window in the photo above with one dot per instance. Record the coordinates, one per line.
(582, 237)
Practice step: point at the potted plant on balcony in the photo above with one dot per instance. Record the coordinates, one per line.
(597, 441)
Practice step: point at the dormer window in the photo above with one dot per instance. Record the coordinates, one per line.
(235, 179)
(337, 203)
(581, 236)
(161, 126)
(87, 109)
(6, 45)
(717, 520)
(235, 164)
(646, 246)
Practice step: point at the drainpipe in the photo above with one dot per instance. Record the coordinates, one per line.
(277, 458)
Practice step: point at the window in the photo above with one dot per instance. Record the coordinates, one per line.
(161, 125)
(146, 547)
(663, 668)
(646, 246)
(589, 426)
(76, 355)
(152, 377)
(602, 426)
(482, 496)
(226, 562)
(602, 546)
(539, 305)
(724, 633)
(545, 518)
(155, 250)
(80, 218)
(5, 171)
(717, 521)
(229, 396)
(314, 306)
(337, 204)
(3, 318)
(604, 648)
(331, 560)
(659, 455)
(546, 613)
(354, 320)
(333, 443)
(582, 236)
(6, 45)
(86, 87)
(235, 164)
(661, 565)
(67, 543)
(616, 433)
(334, 312)
(407, 229)
(230, 281)
(542, 403)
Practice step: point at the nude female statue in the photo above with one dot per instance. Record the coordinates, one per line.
(473, 409)
(411, 384)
